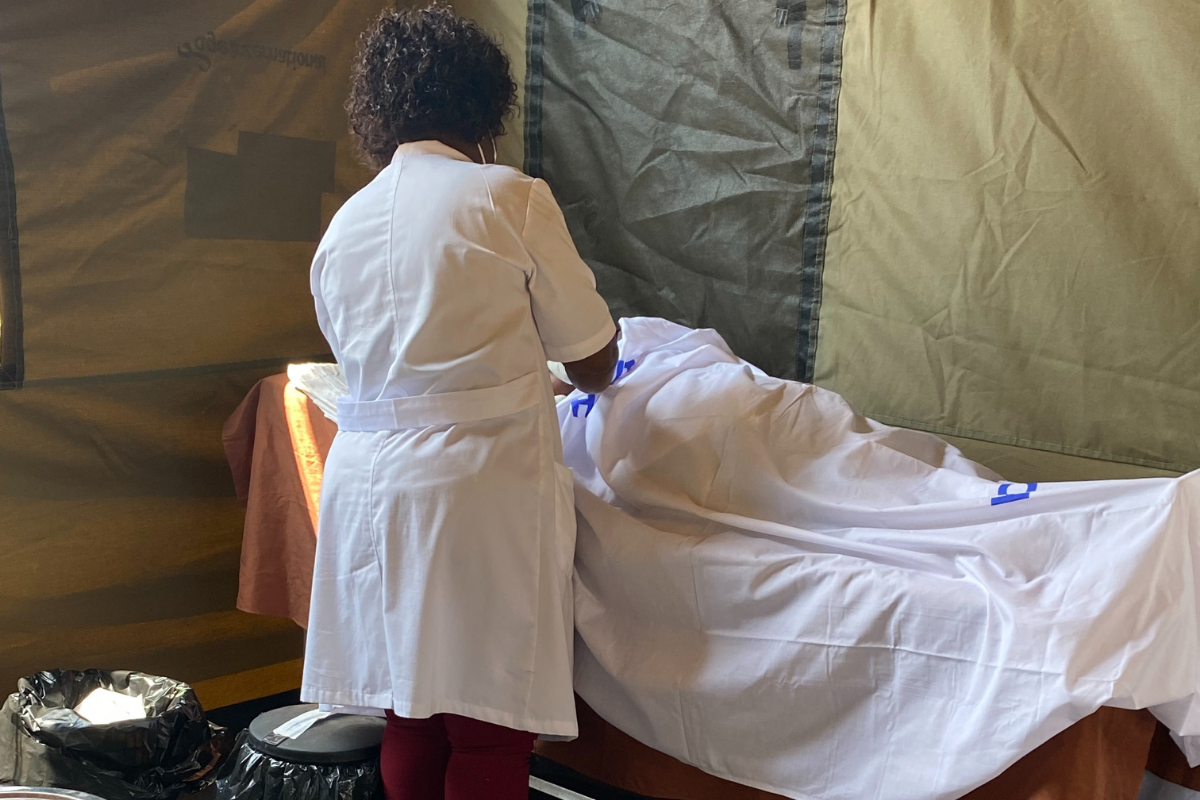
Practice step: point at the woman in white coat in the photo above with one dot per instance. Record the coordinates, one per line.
(442, 586)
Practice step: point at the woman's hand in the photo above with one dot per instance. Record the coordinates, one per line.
(594, 374)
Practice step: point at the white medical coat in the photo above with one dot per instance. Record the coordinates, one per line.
(442, 581)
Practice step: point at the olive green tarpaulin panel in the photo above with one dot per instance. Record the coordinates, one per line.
(175, 163)
(690, 147)
(120, 533)
(1014, 248)
(131, 125)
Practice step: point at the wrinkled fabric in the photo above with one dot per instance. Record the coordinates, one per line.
(784, 593)
(1016, 204)
(277, 442)
(691, 148)
(128, 124)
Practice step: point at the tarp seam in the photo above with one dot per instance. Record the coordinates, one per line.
(178, 372)
(818, 204)
(12, 329)
(534, 82)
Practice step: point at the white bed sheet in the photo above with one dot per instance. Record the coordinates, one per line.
(786, 594)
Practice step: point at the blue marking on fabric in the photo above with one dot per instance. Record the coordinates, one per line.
(623, 368)
(589, 401)
(1003, 496)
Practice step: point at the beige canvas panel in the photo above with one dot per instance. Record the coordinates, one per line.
(103, 103)
(121, 531)
(1014, 247)
(1025, 465)
(505, 19)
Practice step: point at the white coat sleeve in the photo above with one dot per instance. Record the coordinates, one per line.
(323, 319)
(572, 318)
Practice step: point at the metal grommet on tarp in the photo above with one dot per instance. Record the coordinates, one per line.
(299, 753)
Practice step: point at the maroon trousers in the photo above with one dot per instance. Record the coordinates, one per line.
(448, 757)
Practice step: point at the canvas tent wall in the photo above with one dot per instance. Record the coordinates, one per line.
(717, 161)
(172, 166)
(980, 221)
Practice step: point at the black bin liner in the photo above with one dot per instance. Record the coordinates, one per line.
(43, 742)
(250, 774)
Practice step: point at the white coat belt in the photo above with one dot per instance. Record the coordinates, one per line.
(448, 408)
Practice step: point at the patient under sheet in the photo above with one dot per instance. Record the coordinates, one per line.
(786, 594)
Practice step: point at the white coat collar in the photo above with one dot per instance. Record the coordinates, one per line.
(427, 147)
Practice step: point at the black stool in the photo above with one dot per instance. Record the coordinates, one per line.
(335, 759)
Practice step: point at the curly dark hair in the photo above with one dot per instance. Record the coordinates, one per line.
(426, 74)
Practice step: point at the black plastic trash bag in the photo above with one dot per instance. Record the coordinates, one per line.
(253, 775)
(44, 742)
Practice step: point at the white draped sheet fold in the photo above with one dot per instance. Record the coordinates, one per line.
(784, 593)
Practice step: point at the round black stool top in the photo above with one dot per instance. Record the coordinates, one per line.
(340, 739)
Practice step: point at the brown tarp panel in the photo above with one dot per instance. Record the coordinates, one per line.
(174, 165)
(121, 534)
